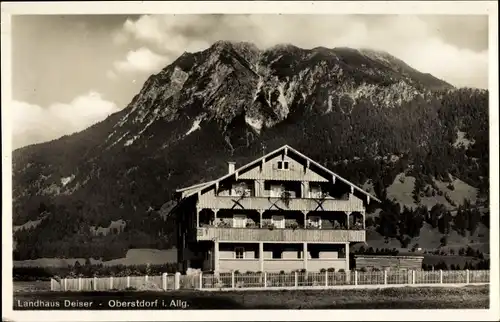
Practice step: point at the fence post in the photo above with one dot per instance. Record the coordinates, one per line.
(79, 283)
(385, 277)
(201, 280)
(111, 283)
(265, 279)
(65, 284)
(296, 279)
(326, 278)
(128, 281)
(51, 284)
(355, 277)
(413, 277)
(440, 276)
(164, 281)
(467, 276)
(146, 279)
(177, 281)
(232, 279)
(95, 283)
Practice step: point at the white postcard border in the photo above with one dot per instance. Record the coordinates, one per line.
(232, 7)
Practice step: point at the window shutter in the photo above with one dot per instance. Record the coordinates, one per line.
(275, 166)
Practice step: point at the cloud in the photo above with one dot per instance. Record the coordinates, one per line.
(140, 60)
(451, 47)
(111, 74)
(35, 124)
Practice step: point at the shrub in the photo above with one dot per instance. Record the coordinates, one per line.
(322, 270)
(331, 269)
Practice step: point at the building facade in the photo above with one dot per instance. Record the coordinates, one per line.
(280, 212)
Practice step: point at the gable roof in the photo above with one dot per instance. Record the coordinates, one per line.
(194, 189)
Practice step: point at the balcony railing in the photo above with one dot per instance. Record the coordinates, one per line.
(277, 203)
(280, 235)
(269, 224)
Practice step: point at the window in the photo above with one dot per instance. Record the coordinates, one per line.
(239, 252)
(239, 221)
(314, 253)
(278, 221)
(283, 165)
(276, 254)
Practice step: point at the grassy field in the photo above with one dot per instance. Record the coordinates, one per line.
(470, 297)
(34, 286)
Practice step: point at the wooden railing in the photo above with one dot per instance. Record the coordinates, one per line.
(280, 235)
(276, 203)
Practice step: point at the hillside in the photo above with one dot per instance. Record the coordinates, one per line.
(375, 116)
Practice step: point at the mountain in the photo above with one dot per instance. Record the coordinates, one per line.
(362, 113)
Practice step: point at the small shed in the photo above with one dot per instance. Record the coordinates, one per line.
(388, 262)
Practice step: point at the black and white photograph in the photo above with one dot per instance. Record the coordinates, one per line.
(280, 158)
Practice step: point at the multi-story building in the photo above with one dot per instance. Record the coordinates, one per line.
(282, 211)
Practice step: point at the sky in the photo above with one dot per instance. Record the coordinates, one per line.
(70, 72)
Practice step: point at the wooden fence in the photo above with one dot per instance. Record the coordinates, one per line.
(268, 280)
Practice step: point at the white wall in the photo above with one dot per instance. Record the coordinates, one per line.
(269, 171)
(290, 254)
(242, 265)
(330, 255)
(277, 265)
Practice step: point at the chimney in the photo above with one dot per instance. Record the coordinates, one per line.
(230, 167)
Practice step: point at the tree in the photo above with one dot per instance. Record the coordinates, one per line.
(460, 221)
(443, 241)
(435, 213)
(405, 242)
(444, 222)
(470, 252)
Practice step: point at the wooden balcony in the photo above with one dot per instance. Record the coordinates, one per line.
(275, 203)
(280, 235)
